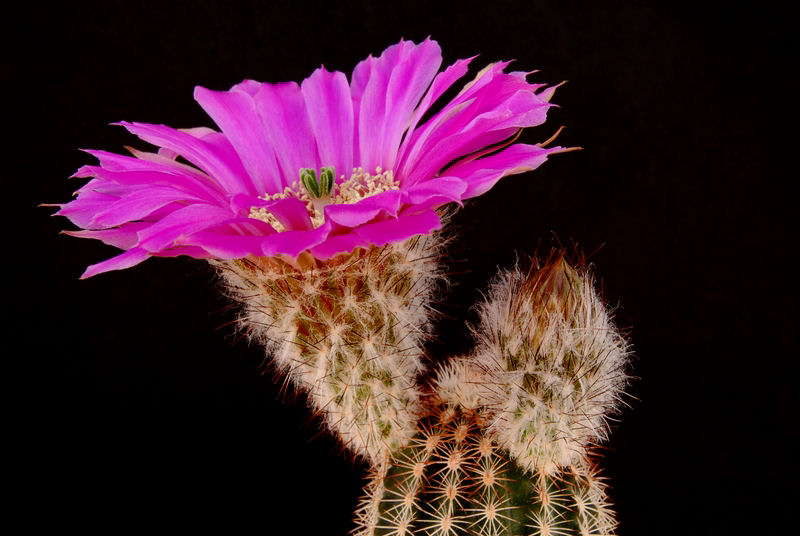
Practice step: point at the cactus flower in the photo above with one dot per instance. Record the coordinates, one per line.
(314, 169)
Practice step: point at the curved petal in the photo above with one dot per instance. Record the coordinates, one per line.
(206, 154)
(132, 257)
(440, 84)
(123, 237)
(392, 87)
(402, 228)
(293, 243)
(133, 180)
(235, 113)
(189, 220)
(330, 109)
(483, 173)
(284, 118)
(351, 215)
(137, 205)
(436, 192)
(291, 213)
(334, 245)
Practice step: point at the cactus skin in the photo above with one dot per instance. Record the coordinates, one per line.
(453, 479)
(349, 331)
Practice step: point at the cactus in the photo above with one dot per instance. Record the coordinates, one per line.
(500, 442)
(503, 445)
(453, 478)
(348, 331)
(335, 278)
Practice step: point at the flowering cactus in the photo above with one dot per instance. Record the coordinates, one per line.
(335, 273)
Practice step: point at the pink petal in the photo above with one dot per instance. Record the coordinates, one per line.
(209, 155)
(227, 246)
(235, 113)
(330, 109)
(483, 173)
(137, 205)
(334, 245)
(436, 192)
(81, 211)
(291, 213)
(142, 179)
(293, 243)
(168, 231)
(132, 257)
(124, 237)
(440, 84)
(351, 215)
(284, 118)
(395, 84)
(490, 109)
(402, 228)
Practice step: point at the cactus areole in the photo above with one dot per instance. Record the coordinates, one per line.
(336, 273)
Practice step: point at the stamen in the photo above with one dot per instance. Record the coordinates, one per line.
(317, 194)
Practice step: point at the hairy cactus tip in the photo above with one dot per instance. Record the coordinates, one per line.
(503, 445)
(319, 204)
(554, 363)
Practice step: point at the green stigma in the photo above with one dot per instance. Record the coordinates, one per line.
(318, 189)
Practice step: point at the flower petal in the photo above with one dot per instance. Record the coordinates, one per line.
(402, 228)
(330, 110)
(483, 173)
(208, 154)
(293, 243)
(436, 192)
(284, 118)
(168, 231)
(352, 215)
(291, 213)
(235, 113)
(124, 237)
(132, 257)
(334, 245)
(440, 84)
(395, 83)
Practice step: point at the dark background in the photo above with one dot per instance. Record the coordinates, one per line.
(135, 404)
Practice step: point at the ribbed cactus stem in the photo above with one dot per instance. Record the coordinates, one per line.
(553, 364)
(349, 331)
(453, 479)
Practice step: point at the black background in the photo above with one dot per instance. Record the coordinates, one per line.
(136, 406)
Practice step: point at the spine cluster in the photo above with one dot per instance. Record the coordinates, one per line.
(550, 365)
(453, 479)
(349, 331)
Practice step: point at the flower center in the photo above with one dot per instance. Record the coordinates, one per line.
(316, 194)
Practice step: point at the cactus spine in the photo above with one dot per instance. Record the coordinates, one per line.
(349, 331)
(502, 445)
(453, 479)
(499, 443)
(553, 364)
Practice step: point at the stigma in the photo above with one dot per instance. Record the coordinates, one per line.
(317, 193)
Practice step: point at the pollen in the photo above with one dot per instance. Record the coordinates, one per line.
(360, 185)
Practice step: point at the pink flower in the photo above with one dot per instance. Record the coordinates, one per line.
(324, 167)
